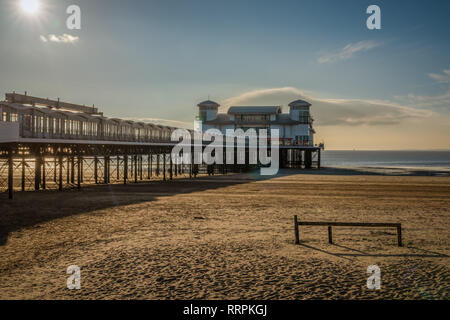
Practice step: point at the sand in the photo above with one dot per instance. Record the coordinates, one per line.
(229, 237)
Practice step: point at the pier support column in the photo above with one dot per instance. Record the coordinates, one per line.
(60, 182)
(23, 173)
(318, 159)
(106, 170)
(82, 170)
(164, 166)
(308, 159)
(135, 169)
(96, 170)
(55, 179)
(118, 168)
(125, 169)
(171, 167)
(191, 164)
(10, 175)
(72, 169)
(157, 164)
(37, 172)
(141, 167)
(79, 172)
(149, 168)
(44, 178)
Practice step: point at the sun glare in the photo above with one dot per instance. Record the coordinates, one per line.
(30, 6)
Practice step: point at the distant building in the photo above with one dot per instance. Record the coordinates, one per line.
(295, 128)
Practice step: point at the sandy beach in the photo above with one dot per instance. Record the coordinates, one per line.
(230, 237)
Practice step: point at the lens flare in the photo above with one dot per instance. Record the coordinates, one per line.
(30, 6)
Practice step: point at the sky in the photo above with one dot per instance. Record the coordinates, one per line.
(150, 60)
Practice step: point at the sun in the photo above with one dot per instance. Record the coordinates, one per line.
(30, 6)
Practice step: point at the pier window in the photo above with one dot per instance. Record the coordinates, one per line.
(302, 140)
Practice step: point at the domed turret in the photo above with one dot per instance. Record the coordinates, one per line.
(299, 103)
(208, 104)
(299, 110)
(207, 110)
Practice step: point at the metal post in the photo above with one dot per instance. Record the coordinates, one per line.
(297, 235)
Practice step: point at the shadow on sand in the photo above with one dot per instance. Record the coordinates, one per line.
(32, 208)
(427, 254)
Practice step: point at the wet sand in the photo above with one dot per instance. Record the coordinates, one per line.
(229, 237)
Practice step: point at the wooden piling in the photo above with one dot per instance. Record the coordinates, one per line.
(330, 235)
(296, 231)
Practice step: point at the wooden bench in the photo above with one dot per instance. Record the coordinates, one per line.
(345, 224)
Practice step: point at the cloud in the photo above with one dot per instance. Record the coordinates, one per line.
(440, 101)
(348, 51)
(443, 78)
(328, 112)
(65, 38)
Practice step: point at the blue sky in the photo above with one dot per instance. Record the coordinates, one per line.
(157, 59)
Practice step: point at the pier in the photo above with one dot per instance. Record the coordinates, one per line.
(53, 145)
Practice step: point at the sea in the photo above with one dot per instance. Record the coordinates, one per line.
(387, 159)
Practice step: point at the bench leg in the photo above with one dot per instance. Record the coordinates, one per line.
(399, 236)
(297, 236)
(330, 235)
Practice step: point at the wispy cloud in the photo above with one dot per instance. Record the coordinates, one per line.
(439, 102)
(348, 51)
(441, 77)
(65, 38)
(350, 112)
